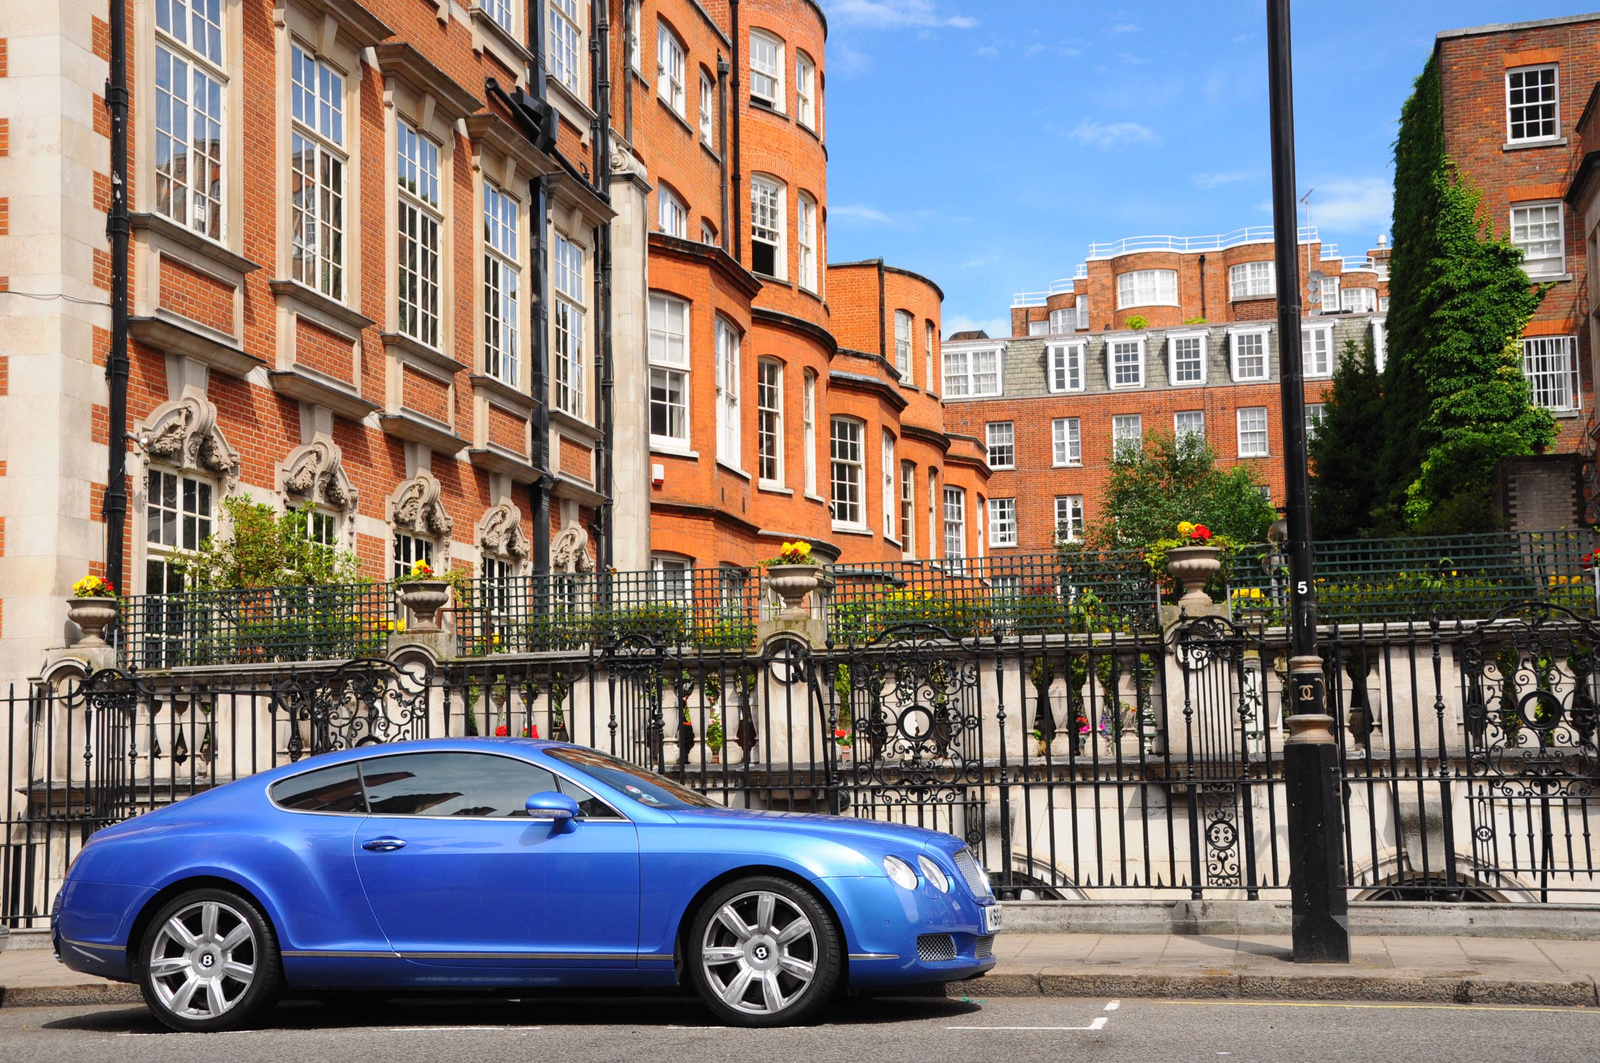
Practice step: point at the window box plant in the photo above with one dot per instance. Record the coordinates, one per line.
(93, 607)
(793, 575)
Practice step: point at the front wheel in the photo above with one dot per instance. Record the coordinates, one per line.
(764, 952)
(209, 961)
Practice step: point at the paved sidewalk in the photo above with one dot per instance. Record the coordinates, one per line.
(1423, 969)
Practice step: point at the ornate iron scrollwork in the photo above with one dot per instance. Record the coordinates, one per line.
(361, 703)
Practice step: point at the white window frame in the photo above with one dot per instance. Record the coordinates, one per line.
(708, 109)
(419, 281)
(1000, 434)
(1147, 287)
(1066, 442)
(1062, 321)
(1002, 522)
(1544, 266)
(174, 528)
(1039, 328)
(847, 470)
(1551, 365)
(1316, 413)
(1180, 429)
(502, 276)
(769, 422)
(927, 357)
(1257, 427)
(890, 467)
(1081, 305)
(1119, 435)
(1316, 351)
(967, 373)
(730, 430)
(1234, 339)
(903, 322)
(406, 550)
(808, 425)
(768, 198)
(908, 509)
(805, 82)
(806, 240)
(669, 330)
(1064, 364)
(1069, 514)
(1252, 280)
(673, 576)
(672, 215)
(934, 538)
(955, 521)
(318, 164)
(192, 76)
(1173, 340)
(566, 45)
(1511, 108)
(1358, 300)
(1118, 347)
(672, 64)
(569, 324)
(766, 73)
(501, 12)
(1329, 293)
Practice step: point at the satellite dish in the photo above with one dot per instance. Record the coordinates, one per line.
(1315, 276)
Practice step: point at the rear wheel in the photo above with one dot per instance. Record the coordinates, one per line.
(764, 952)
(209, 961)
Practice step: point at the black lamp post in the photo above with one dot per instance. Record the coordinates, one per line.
(1310, 755)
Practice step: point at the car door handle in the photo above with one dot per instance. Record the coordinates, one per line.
(383, 845)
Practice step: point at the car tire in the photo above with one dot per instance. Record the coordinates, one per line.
(764, 951)
(209, 961)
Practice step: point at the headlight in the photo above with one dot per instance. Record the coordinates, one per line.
(931, 872)
(901, 872)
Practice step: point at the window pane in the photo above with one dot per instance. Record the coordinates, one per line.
(453, 784)
(336, 789)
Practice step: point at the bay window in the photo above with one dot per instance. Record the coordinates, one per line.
(729, 429)
(1253, 280)
(669, 370)
(1147, 287)
(849, 484)
(568, 319)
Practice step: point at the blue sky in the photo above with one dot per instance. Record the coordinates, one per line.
(986, 143)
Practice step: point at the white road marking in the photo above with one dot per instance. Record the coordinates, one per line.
(1114, 1005)
(1096, 1023)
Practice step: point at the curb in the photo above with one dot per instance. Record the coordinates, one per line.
(43, 996)
(1226, 985)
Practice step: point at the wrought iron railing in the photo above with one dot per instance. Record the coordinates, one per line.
(1446, 576)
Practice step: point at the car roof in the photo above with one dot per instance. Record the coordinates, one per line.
(467, 744)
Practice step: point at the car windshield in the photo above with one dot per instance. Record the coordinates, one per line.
(645, 787)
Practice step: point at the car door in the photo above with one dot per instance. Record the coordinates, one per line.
(458, 875)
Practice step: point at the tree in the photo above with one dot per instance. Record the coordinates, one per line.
(1343, 491)
(1455, 398)
(1171, 479)
(265, 548)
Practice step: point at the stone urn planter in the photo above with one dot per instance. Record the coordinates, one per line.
(424, 598)
(93, 616)
(1193, 566)
(792, 583)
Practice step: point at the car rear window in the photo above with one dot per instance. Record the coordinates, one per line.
(335, 789)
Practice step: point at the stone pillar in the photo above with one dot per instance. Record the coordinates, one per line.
(630, 396)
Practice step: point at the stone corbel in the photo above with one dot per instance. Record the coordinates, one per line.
(500, 532)
(570, 551)
(415, 507)
(315, 473)
(184, 433)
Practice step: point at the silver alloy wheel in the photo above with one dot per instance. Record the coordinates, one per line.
(759, 944)
(203, 960)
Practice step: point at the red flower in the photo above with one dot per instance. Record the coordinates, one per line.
(1200, 534)
(839, 732)
(501, 731)
(531, 731)
(1587, 560)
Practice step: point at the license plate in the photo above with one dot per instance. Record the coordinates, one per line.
(991, 919)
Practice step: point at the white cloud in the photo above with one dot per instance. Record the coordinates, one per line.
(994, 326)
(1363, 203)
(1124, 27)
(988, 51)
(1217, 180)
(861, 212)
(1107, 136)
(895, 15)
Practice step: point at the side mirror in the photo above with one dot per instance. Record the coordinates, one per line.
(551, 805)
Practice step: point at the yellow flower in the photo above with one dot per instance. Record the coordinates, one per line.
(1185, 529)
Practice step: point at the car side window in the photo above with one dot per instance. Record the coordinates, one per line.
(335, 789)
(589, 806)
(452, 784)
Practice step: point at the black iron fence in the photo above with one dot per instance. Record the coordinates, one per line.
(1126, 764)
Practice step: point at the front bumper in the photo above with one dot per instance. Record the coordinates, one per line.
(885, 925)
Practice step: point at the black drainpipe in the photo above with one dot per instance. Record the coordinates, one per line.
(605, 477)
(1202, 285)
(722, 141)
(537, 112)
(116, 501)
(738, 168)
(883, 334)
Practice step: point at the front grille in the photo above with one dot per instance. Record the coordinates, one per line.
(935, 948)
(977, 881)
(985, 947)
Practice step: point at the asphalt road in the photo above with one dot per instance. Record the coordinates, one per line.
(1008, 1030)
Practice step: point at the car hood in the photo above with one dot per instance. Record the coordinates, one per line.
(845, 829)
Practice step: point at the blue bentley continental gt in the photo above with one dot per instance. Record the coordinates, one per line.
(481, 863)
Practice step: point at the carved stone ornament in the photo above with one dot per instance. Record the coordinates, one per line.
(500, 532)
(416, 508)
(315, 473)
(184, 433)
(624, 162)
(570, 551)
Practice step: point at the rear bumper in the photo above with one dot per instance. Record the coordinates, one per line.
(884, 924)
(90, 929)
